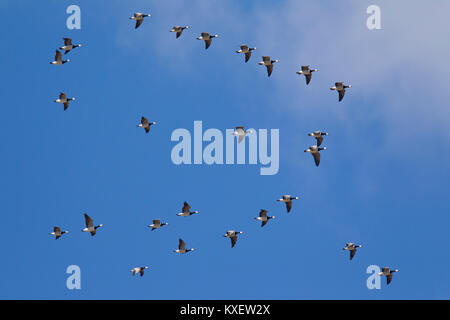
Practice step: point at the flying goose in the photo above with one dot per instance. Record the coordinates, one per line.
(139, 17)
(263, 217)
(208, 38)
(288, 200)
(307, 72)
(248, 51)
(178, 30)
(388, 273)
(58, 59)
(241, 133)
(352, 248)
(139, 270)
(268, 63)
(68, 45)
(185, 211)
(64, 100)
(57, 232)
(340, 87)
(90, 225)
(145, 124)
(314, 150)
(182, 247)
(233, 236)
(157, 224)
(318, 135)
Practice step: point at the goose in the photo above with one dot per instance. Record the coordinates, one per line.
(185, 211)
(140, 270)
(307, 72)
(90, 225)
(233, 236)
(241, 133)
(248, 51)
(182, 247)
(318, 135)
(58, 59)
(388, 273)
(288, 200)
(208, 38)
(178, 30)
(68, 45)
(157, 224)
(340, 87)
(57, 232)
(145, 124)
(139, 17)
(314, 150)
(64, 100)
(263, 217)
(268, 63)
(352, 248)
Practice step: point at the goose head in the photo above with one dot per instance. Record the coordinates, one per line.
(215, 36)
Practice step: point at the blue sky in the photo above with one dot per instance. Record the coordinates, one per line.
(383, 182)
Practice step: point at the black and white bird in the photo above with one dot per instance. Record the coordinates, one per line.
(207, 38)
(233, 236)
(178, 30)
(246, 50)
(388, 273)
(340, 88)
(315, 151)
(352, 248)
(139, 17)
(287, 199)
(182, 247)
(268, 63)
(68, 45)
(307, 72)
(64, 100)
(241, 133)
(185, 211)
(57, 232)
(263, 217)
(157, 224)
(145, 124)
(139, 270)
(90, 225)
(58, 59)
(318, 135)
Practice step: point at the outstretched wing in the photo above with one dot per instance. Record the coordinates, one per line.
(207, 43)
(352, 253)
(66, 105)
(289, 206)
(248, 55)
(67, 41)
(62, 96)
(316, 156)
(138, 23)
(156, 221)
(341, 94)
(88, 220)
(181, 244)
(308, 78)
(179, 33)
(186, 208)
(319, 140)
(233, 241)
(144, 121)
(263, 223)
(58, 56)
(263, 213)
(389, 278)
(269, 69)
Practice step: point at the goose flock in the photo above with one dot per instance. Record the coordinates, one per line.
(240, 132)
